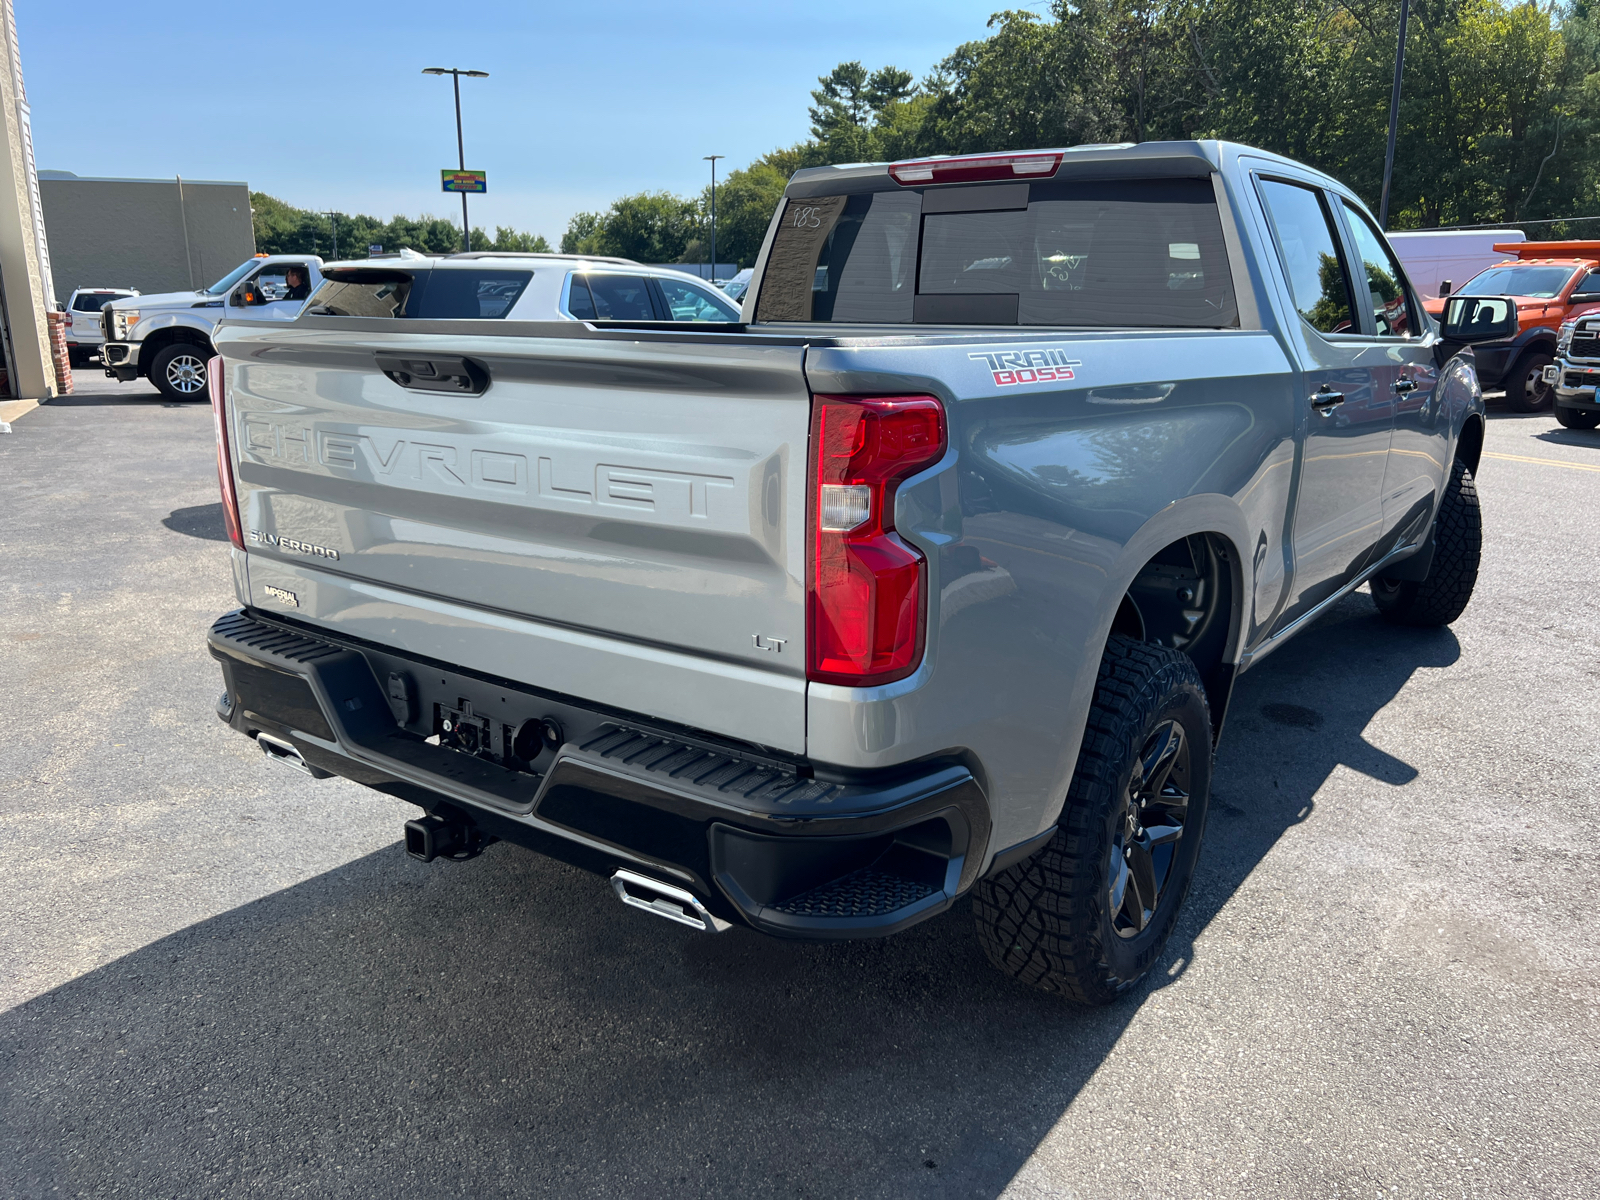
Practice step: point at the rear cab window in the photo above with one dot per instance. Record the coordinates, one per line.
(1123, 253)
(440, 294)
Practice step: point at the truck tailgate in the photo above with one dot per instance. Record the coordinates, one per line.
(620, 501)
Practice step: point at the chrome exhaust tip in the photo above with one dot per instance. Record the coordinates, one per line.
(665, 900)
(284, 752)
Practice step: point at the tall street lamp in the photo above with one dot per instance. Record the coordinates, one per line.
(456, 73)
(712, 159)
(334, 218)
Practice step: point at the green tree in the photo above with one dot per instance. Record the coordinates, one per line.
(283, 229)
(581, 233)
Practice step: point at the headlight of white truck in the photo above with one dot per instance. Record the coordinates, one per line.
(1564, 336)
(122, 322)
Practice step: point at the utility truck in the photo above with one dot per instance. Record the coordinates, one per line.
(166, 337)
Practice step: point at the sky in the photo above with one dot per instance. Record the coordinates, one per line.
(324, 104)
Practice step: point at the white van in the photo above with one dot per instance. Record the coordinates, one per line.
(1432, 257)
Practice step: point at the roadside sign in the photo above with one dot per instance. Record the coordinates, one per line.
(374, 249)
(464, 181)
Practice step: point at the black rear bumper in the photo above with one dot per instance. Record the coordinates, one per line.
(782, 845)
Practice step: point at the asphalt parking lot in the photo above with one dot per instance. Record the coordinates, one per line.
(218, 977)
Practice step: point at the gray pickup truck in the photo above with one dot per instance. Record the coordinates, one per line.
(931, 576)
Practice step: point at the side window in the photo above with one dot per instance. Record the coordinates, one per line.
(1310, 256)
(1386, 288)
(279, 281)
(1589, 284)
(621, 298)
(686, 302)
(580, 304)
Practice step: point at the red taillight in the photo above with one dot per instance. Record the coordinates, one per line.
(230, 496)
(973, 168)
(866, 604)
(69, 319)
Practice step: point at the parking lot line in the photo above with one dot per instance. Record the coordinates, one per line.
(1545, 462)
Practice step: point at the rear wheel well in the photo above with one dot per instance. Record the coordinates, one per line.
(1185, 597)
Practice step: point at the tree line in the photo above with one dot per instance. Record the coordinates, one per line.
(283, 229)
(1498, 116)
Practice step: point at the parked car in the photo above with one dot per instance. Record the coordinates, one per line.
(1553, 282)
(167, 337)
(536, 287)
(932, 580)
(1575, 374)
(84, 335)
(1436, 260)
(739, 284)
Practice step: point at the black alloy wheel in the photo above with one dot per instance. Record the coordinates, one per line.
(1088, 916)
(1145, 843)
(1526, 388)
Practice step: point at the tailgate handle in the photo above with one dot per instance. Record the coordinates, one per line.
(436, 373)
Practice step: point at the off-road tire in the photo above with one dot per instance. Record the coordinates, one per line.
(160, 370)
(1457, 543)
(1577, 418)
(1525, 386)
(1048, 921)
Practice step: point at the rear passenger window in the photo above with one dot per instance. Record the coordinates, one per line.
(580, 304)
(1134, 253)
(92, 302)
(1310, 256)
(467, 294)
(440, 294)
(618, 297)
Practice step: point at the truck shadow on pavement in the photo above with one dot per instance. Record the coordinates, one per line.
(505, 1027)
(203, 521)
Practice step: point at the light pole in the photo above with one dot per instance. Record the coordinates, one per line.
(333, 219)
(712, 159)
(456, 73)
(1394, 116)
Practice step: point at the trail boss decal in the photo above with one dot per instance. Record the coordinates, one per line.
(1011, 367)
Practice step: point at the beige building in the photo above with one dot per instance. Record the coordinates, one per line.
(29, 373)
(156, 235)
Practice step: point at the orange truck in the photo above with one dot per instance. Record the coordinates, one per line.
(1553, 283)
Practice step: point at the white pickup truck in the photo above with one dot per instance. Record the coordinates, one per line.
(167, 337)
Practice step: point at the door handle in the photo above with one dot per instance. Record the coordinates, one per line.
(1404, 385)
(1325, 400)
(435, 373)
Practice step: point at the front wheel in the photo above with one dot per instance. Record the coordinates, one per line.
(1457, 544)
(1575, 418)
(1089, 915)
(1526, 387)
(179, 371)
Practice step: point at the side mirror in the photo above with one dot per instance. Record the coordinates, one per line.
(1444, 288)
(238, 298)
(1583, 298)
(1469, 319)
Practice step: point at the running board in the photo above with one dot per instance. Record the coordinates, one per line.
(1251, 657)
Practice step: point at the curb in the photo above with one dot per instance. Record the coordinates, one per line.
(10, 410)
